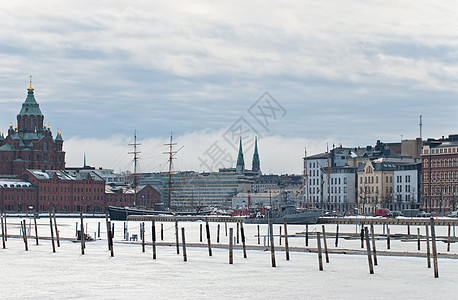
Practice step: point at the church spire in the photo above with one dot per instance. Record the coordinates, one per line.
(240, 161)
(255, 164)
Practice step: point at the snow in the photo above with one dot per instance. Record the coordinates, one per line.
(39, 273)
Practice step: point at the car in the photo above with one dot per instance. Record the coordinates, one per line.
(423, 214)
(383, 212)
(397, 214)
(330, 214)
(453, 214)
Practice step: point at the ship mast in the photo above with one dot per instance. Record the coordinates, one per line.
(135, 153)
(171, 154)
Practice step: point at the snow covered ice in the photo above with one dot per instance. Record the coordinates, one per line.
(40, 274)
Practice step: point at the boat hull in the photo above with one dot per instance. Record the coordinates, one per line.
(121, 213)
(305, 217)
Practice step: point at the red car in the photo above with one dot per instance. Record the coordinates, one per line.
(383, 212)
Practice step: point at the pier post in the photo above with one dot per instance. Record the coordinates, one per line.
(418, 239)
(153, 231)
(52, 234)
(448, 239)
(286, 239)
(3, 233)
(143, 237)
(200, 233)
(183, 240)
(242, 231)
(428, 250)
(433, 240)
(374, 251)
(36, 227)
(177, 241)
(231, 246)
(217, 234)
(57, 230)
(368, 247)
(207, 227)
(325, 244)
(388, 242)
(24, 235)
(306, 235)
(259, 237)
(162, 231)
(272, 248)
(337, 235)
(320, 257)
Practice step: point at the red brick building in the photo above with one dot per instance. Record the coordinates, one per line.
(30, 145)
(147, 197)
(440, 174)
(33, 175)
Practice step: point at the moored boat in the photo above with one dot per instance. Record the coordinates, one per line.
(290, 213)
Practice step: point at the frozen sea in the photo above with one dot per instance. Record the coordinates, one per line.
(131, 274)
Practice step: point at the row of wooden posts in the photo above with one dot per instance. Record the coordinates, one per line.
(365, 237)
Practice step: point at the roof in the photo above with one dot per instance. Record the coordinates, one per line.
(13, 183)
(30, 106)
(64, 175)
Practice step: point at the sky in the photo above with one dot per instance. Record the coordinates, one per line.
(296, 74)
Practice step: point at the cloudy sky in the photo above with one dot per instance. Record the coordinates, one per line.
(338, 74)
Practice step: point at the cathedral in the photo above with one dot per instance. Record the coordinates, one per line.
(30, 144)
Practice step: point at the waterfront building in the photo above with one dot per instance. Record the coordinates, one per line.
(30, 144)
(439, 160)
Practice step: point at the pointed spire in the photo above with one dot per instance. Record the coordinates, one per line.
(256, 165)
(240, 161)
(30, 88)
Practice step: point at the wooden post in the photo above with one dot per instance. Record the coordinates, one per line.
(183, 240)
(125, 231)
(112, 230)
(374, 250)
(3, 234)
(98, 230)
(162, 231)
(272, 249)
(259, 237)
(177, 242)
(57, 230)
(108, 231)
(36, 227)
(320, 257)
(279, 236)
(418, 239)
(153, 231)
(225, 227)
(109, 236)
(6, 228)
(408, 229)
(388, 244)
(76, 229)
(362, 238)
(82, 234)
(200, 233)
(143, 237)
(368, 247)
(52, 234)
(286, 239)
(207, 227)
(337, 235)
(24, 235)
(306, 235)
(217, 234)
(325, 244)
(428, 251)
(238, 233)
(448, 240)
(242, 231)
(231, 245)
(384, 225)
(433, 240)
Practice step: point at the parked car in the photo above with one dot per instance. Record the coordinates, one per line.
(453, 214)
(397, 214)
(383, 212)
(423, 214)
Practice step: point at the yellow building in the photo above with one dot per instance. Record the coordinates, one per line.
(375, 186)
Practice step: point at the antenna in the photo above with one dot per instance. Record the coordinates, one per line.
(421, 127)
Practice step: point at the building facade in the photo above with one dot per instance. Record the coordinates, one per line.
(440, 174)
(30, 145)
